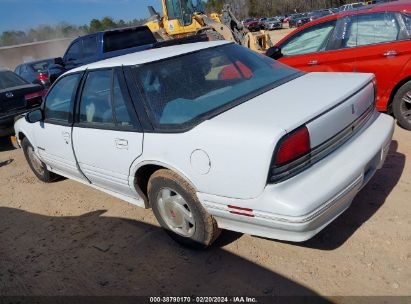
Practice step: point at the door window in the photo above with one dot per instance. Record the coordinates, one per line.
(95, 104)
(311, 40)
(367, 29)
(407, 21)
(58, 102)
(121, 114)
(89, 47)
(74, 52)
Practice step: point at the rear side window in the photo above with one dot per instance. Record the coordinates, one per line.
(124, 39)
(102, 101)
(59, 99)
(90, 47)
(310, 40)
(120, 110)
(368, 29)
(9, 79)
(95, 105)
(74, 52)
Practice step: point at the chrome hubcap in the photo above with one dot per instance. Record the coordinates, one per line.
(175, 211)
(35, 161)
(406, 106)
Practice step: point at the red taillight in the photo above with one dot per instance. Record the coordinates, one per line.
(42, 77)
(293, 146)
(34, 95)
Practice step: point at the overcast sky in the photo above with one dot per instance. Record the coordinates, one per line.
(24, 14)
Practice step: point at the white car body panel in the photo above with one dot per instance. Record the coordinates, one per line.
(57, 153)
(227, 158)
(94, 149)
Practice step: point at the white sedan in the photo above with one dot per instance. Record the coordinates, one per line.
(212, 136)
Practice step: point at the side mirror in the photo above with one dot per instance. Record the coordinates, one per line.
(34, 116)
(274, 52)
(59, 61)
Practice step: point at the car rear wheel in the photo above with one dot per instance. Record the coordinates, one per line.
(36, 165)
(179, 212)
(402, 106)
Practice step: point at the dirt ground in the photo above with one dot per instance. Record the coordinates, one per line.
(65, 238)
(277, 35)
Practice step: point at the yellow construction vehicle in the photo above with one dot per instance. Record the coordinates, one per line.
(182, 18)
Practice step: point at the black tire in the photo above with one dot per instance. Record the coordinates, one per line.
(205, 228)
(40, 169)
(401, 108)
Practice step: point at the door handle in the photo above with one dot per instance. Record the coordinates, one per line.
(391, 53)
(121, 144)
(66, 136)
(313, 62)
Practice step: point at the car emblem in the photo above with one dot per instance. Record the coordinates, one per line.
(9, 95)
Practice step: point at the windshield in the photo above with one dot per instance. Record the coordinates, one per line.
(41, 66)
(181, 10)
(9, 79)
(182, 91)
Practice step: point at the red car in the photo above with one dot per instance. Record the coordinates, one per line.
(373, 40)
(252, 24)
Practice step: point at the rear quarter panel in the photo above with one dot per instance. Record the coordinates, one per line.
(238, 159)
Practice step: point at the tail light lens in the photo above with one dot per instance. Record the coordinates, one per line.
(34, 95)
(374, 82)
(293, 146)
(42, 77)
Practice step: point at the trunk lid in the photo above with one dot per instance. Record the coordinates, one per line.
(13, 98)
(326, 102)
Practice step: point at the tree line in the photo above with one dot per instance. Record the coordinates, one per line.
(63, 30)
(266, 8)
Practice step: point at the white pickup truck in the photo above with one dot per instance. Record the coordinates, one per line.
(212, 136)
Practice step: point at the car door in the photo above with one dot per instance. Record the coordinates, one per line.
(107, 136)
(313, 49)
(380, 40)
(53, 136)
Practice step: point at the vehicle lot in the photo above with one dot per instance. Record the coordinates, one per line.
(67, 239)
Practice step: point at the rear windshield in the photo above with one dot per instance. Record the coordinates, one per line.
(124, 39)
(9, 79)
(182, 91)
(41, 66)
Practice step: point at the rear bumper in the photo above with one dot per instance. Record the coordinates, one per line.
(7, 122)
(6, 125)
(297, 209)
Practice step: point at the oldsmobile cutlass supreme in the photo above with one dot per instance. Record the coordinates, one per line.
(212, 136)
